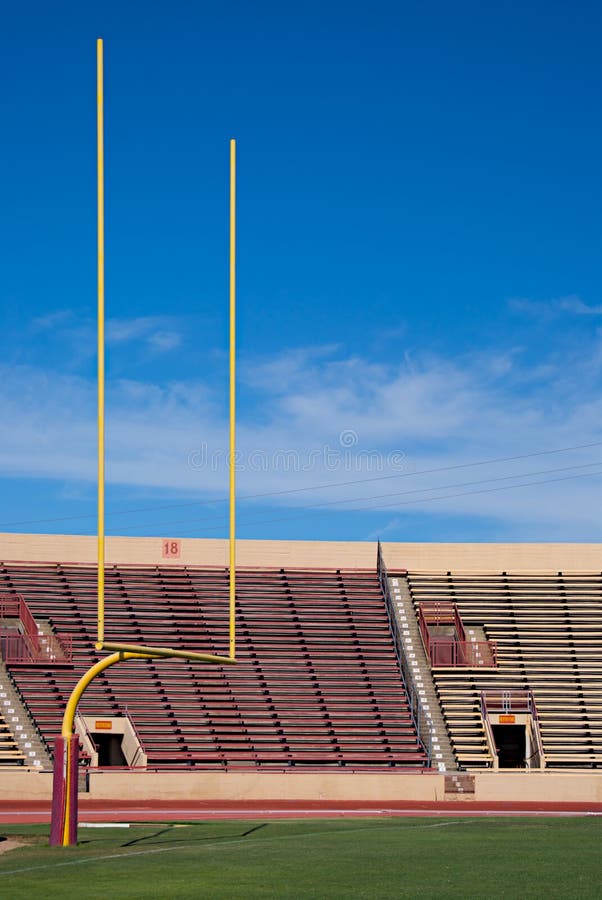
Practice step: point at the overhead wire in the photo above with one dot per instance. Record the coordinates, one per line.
(507, 487)
(424, 490)
(307, 488)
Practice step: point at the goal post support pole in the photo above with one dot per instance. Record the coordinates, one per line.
(63, 824)
(232, 460)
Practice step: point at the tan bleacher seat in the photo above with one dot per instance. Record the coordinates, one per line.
(548, 631)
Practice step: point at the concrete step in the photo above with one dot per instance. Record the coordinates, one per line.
(443, 754)
(21, 723)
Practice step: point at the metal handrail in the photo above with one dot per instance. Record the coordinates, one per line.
(514, 701)
(446, 652)
(441, 612)
(58, 648)
(16, 607)
(16, 649)
(25, 646)
(489, 732)
(80, 720)
(421, 722)
(140, 751)
(508, 700)
(452, 651)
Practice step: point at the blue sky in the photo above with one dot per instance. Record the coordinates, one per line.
(419, 272)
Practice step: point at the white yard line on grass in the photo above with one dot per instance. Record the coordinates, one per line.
(225, 843)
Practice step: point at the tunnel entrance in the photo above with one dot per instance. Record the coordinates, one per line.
(110, 752)
(511, 743)
(110, 741)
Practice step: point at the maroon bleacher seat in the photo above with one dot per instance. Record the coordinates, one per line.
(317, 681)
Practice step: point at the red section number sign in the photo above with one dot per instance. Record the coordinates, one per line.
(171, 549)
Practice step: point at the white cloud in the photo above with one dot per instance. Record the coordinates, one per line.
(153, 331)
(578, 307)
(313, 402)
(280, 373)
(52, 320)
(571, 305)
(157, 334)
(163, 341)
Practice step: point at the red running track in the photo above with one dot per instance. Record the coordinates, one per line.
(33, 812)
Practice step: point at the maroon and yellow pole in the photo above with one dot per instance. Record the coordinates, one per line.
(63, 826)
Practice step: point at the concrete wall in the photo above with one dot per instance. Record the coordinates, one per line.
(265, 786)
(423, 557)
(193, 551)
(483, 558)
(18, 784)
(538, 787)
(382, 787)
(359, 787)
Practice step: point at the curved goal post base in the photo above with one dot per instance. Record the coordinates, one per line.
(63, 825)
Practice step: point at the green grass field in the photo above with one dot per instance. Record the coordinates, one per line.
(324, 858)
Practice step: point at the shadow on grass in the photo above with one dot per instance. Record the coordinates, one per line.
(186, 837)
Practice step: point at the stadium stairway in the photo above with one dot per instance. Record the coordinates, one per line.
(548, 631)
(443, 755)
(10, 752)
(317, 683)
(20, 741)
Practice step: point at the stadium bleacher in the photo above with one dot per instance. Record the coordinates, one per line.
(317, 682)
(548, 631)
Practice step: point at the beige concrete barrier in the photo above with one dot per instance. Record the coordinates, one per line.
(266, 786)
(375, 787)
(25, 785)
(419, 557)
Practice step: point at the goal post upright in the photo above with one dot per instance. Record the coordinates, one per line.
(101, 341)
(232, 455)
(100, 638)
(63, 831)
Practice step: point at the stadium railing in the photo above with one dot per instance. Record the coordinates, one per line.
(29, 646)
(451, 651)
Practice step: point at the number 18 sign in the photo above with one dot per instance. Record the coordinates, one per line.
(171, 549)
